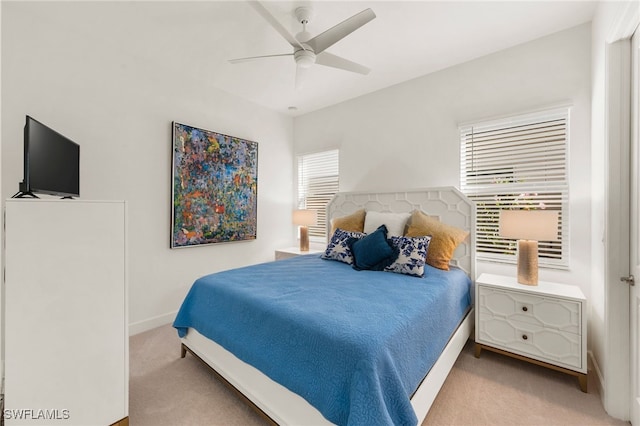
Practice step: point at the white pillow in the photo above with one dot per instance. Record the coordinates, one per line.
(395, 222)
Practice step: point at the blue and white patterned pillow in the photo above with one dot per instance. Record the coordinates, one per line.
(337, 249)
(413, 254)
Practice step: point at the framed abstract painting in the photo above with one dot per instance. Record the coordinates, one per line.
(214, 187)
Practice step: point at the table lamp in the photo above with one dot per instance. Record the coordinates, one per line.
(528, 227)
(304, 218)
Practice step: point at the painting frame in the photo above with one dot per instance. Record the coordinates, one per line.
(214, 187)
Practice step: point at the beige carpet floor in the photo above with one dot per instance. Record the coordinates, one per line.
(491, 390)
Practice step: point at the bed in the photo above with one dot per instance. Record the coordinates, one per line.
(313, 341)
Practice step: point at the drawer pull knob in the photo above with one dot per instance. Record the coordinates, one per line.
(525, 309)
(524, 337)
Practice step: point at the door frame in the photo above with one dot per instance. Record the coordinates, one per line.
(634, 236)
(616, 306)
(616, 366)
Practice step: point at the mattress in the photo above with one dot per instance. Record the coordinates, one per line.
(354, 344)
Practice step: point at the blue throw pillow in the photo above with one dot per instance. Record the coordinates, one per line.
(373, 251)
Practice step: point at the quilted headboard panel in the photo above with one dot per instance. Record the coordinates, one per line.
(447, 204)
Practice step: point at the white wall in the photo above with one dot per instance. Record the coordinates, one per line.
(67, 73)
(407, 136)
(601, 24)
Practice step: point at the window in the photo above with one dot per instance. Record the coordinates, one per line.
(517, 163)
(317, 183)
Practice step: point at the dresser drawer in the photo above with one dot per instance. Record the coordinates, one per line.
(512, 306)
(544, 344)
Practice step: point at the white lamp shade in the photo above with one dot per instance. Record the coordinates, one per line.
(538, 225)
(305, 217)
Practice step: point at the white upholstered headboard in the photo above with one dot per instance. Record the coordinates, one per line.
(447, 204)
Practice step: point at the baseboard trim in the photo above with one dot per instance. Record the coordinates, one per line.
(599, 378)
(151, 323)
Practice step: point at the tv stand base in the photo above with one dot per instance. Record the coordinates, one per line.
(26, 194)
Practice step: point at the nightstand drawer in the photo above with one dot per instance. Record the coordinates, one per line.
(288, 252)
(544, 312)
(284, 255)
(535, 341)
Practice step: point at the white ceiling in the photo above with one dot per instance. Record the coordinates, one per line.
(408, 39)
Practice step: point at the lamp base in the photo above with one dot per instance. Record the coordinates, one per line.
(304, 238)
(528, 262)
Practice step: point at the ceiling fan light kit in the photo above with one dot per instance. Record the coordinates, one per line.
(305, 58)
(307, 50)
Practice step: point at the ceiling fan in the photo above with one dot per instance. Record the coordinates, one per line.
(307, 50)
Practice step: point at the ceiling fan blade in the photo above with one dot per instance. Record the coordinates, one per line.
(251, 58)
(322, 41)
(329, 60)
(276, 24)
(301, 73)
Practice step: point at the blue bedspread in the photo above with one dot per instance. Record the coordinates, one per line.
(354, 344)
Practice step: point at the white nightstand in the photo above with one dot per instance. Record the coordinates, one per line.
(544, 324)
(288, 252)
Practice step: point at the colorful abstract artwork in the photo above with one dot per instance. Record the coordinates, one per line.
(215, 187)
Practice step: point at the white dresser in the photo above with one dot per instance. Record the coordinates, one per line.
(65, 330)
(544, 324)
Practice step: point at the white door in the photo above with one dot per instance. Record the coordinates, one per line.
(635, 232)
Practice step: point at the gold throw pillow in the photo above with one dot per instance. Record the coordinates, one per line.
(353, 222)
(444, 238)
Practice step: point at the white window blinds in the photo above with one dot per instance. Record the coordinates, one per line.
(318, 181)
(517, 163)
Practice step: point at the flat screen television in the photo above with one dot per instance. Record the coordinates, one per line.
(51, 162)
